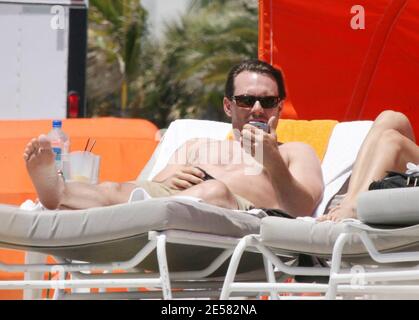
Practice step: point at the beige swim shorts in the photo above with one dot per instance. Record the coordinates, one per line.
(159, 190)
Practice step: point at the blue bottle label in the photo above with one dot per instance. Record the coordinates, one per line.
(57, 152)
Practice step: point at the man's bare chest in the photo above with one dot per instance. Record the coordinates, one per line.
(228, 154)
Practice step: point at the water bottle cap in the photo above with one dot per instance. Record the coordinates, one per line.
(56, 123)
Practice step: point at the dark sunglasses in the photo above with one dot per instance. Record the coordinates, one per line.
(245, 101)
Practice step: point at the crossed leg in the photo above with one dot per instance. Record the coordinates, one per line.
(54, 193)
(389, 145)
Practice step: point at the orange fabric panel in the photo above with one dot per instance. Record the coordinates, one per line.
(264, 40)
(395, 83)
(288, 111)
(372, 57)
(265, 52)
(311, 41)
(125, 145)
(335, 72)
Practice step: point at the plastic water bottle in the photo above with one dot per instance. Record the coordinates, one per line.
(61, 146)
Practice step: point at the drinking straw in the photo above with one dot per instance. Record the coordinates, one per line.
(91, 148)
(87, 144)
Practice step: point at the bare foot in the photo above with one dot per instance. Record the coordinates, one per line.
(40, 164)
(338, 213)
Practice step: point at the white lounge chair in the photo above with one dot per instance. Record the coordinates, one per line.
(374, 257)
(192, 239)
(199, 238)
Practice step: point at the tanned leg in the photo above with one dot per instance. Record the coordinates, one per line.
(54, 193)
(213, 192)
(389, 145)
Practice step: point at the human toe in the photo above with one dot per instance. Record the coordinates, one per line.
(44, 142)
(323, 218)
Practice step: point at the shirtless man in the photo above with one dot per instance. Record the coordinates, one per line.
(289, 178)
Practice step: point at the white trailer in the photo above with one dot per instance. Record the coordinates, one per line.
(42, 58)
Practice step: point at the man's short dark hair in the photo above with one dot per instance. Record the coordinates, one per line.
(257, 66)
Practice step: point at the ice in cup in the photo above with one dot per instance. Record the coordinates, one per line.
(84, 166)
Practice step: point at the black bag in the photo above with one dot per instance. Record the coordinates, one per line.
(277, 213)
(395, 180)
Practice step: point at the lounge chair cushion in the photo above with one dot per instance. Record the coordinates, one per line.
(117, 233)
(397, 207)
(318, 238)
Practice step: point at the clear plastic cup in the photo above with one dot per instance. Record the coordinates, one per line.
(84, 167)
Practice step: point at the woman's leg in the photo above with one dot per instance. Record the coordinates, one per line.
(389, 145)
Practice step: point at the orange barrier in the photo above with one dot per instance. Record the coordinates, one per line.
(125, 146)
(334, 71)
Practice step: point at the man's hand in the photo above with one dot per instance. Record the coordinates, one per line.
(261, 145)
(187, 177)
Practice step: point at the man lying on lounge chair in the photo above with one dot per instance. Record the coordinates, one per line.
(285, 176)
(251, 170)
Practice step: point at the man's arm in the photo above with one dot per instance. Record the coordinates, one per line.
(178, 173)
(296, 177)
(294, 169)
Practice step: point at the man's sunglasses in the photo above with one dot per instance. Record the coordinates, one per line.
(245, 101)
